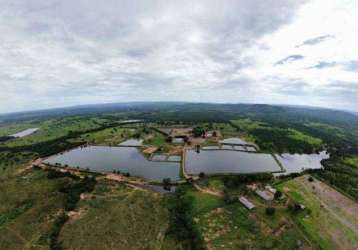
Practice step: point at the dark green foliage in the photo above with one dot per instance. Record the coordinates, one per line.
(340, 175)
(17, 211)
(202, 175)
(270, 211)
(237, 180)
(72, 190)
(182, 225)
(278, 194)
(198, 131)
(167, 183)
(55, 244)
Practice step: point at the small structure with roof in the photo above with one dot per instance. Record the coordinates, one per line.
(270, 189)
(248, 204)
(264, 194)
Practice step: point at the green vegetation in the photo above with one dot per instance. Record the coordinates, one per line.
(52, 210)
(341, 173)
(115, 216)
(277, 139)
(29, 205)
(320, 224)
(182, 226)
(352, 161)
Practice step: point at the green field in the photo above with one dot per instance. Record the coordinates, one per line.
(117, 217)
(324, 222)
(29, 205)
(232, 226)
(50, 129)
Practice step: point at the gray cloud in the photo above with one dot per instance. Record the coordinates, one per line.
(289, 59)
(322, 65)
(315, 40)
(61, 52)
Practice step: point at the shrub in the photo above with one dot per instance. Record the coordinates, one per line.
(270, 211)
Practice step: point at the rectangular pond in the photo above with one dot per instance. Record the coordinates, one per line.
(226, 162)
(132, 143)
(296, 163)
(124, 159)
(233, 141)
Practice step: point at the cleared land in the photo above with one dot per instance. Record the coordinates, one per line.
(332, 222)
(231, 226)
(29, 205)
(116, 217)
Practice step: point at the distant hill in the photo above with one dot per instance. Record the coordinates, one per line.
(191, 111)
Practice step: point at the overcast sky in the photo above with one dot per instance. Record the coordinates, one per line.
(56, 53)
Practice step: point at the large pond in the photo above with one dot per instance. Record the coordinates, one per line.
(226, 162)
(132, 143)
(25, 132)
(125, 159)
(295, 163)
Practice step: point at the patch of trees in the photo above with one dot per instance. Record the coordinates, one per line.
(57, 145)
(182, 225)
(270, 211)
(72, 187)
(235, 181)
(340, 175)
(6, 138)
(198, 131)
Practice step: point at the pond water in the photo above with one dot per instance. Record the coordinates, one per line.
(296, 163)
(25, 132)
(162, 189)
(132, 143)
(226, 162)
(124, 159)
(234, 140)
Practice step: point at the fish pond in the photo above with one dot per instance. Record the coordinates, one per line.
(229, 162)
(296, 163)
(123, 159)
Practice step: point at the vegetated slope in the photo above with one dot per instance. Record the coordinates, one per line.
(29, 205)
(114, 216)
(331, 222)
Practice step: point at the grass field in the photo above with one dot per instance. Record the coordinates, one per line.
(110, 136)
(29, 204)
(117, 217)
(331, 222)
(277, 139)
(49, 129)
(352, 161)
(231, 226)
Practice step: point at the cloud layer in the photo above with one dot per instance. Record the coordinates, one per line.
(59, 52)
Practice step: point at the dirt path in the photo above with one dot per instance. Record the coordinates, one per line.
(29, 166)
(338, 205)
(207, 191)
(26, 242)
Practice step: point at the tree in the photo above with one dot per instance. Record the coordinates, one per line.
(166, 183)
(270, 211)
(198, 131)
(202, 175)
(278, 194)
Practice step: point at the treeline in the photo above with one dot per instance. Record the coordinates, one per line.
(340, 175)
(235, 181)
(182, 226)
(72, 187)
(47, 148)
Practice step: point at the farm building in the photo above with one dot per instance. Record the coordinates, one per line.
(246, 203)
(270, 189)
(266, 195)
